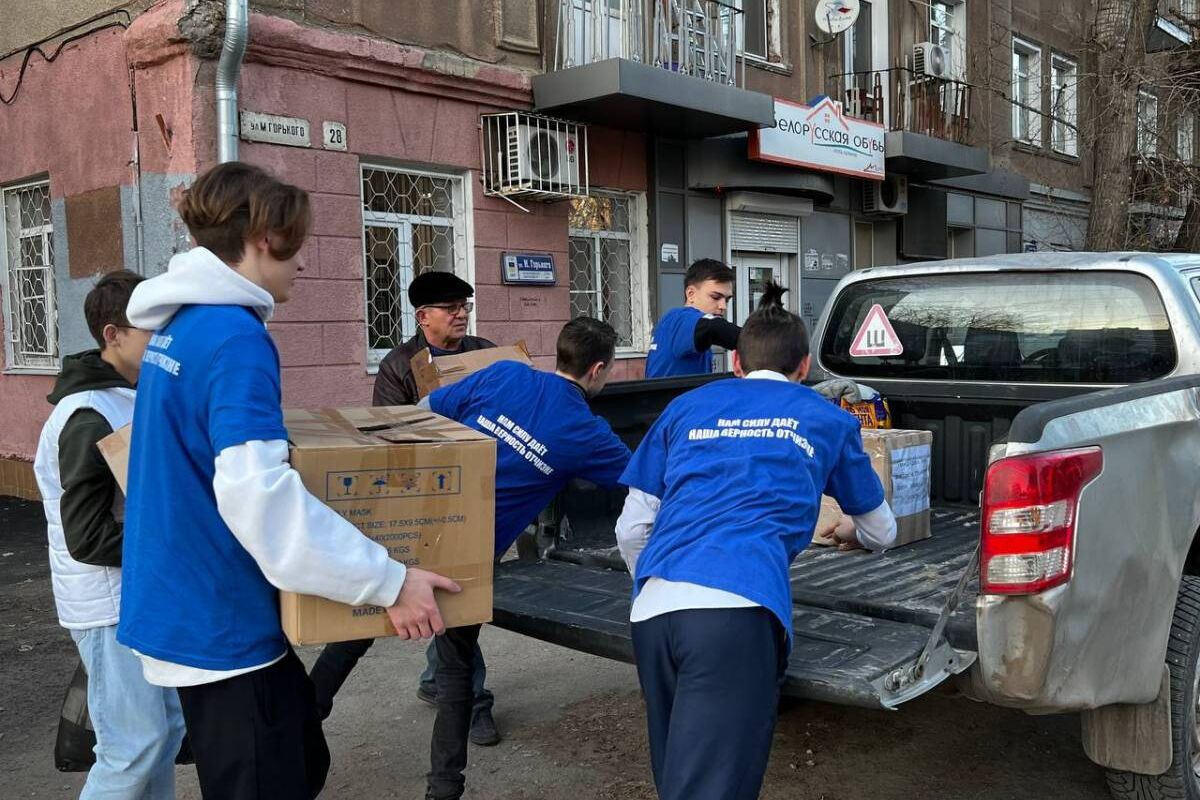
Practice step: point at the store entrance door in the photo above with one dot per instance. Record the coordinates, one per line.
(754, 270)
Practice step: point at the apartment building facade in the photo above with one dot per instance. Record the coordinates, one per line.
(794, 145)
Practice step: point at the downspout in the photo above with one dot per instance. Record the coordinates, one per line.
(229, 68)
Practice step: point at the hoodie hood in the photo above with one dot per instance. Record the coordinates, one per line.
(194, 278)
(85, 372)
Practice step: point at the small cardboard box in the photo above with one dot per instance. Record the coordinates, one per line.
(901, 458)
(433, 372)
(419, 484)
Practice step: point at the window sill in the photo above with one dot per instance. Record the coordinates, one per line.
(52, 371)
(1030, 148)
(777, 67)
(623, 355)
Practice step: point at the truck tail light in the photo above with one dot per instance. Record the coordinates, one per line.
(1029, 510)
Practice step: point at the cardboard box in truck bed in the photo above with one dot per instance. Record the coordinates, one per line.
(419, 484)
(432, 372)
(901, 459)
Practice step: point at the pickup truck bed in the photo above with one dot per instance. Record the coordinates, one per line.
(857, 616)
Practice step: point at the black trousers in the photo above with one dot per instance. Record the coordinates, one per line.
(337, 661)
(257, 736)
(711, 680)
(455, 696)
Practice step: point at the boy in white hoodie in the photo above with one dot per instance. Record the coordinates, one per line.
(217, 521)
(138, 726)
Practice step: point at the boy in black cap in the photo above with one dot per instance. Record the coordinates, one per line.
(442, 307)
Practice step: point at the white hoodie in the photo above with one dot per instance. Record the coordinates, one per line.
(300, 544)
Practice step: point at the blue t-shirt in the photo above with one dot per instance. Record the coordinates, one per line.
(673, 345)
(546, 435)
(740, 466)
(191, 593)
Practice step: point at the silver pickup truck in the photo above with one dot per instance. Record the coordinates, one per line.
(1063, 573)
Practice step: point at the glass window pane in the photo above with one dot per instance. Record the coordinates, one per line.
(1026, 327)
(617, 288)
(990, 213)
(754, 26)
(960, 209)
(989, 242)
(1014, 216)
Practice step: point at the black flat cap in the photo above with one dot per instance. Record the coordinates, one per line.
(437, 287)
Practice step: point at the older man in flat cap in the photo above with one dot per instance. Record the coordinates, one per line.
(442, 304)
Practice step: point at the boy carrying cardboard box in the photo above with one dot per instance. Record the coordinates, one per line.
(217, 521)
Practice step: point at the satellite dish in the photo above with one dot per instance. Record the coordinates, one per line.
(836, 16)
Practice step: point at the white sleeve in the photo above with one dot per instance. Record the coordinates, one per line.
(634, 525)
(424, 403)
(301, 544)
(876, 530)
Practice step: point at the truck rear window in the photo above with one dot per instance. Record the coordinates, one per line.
(1064, 327)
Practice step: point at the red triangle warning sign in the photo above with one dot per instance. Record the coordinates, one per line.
(876, 337)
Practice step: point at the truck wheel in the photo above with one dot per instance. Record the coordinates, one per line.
(1182, 780)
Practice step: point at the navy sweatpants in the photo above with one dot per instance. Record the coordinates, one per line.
(711, 679)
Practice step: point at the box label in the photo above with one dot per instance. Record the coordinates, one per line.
(910, 479)
(375, 484)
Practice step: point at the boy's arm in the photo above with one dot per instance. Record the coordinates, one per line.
(93, 535)
(712, 330)
(634, 526)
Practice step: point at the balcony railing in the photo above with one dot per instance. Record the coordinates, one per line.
(691, 37)
(902, 100)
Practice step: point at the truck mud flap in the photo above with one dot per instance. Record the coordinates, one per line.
(837, 657)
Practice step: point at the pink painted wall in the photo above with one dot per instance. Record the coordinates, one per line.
(70, 119)
(321, 333)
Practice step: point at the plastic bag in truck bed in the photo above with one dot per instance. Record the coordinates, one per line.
(862, 401)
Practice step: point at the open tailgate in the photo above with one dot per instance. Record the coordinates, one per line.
(837, 656)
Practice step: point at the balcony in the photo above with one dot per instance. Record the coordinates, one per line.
(928, 120)
(668, 67)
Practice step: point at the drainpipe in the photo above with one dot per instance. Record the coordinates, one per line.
(228, 69)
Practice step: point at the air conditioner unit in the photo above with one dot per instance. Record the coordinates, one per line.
(931, 60)
(888, 197)
(528, 155)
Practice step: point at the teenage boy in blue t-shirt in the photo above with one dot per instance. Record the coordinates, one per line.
(546, 435)
(682, 340)
(724, 492)
(217, 522)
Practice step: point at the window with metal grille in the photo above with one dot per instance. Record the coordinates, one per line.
(605, 280)
(31, 310)
(413, 222)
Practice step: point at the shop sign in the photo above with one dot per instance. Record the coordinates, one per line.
(821, 137)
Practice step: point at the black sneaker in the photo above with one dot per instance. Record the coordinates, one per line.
(483, 728)
(426, 694)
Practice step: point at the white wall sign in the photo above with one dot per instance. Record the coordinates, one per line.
(821, 137)
(335, 135)
(290, 131)
(670, 252)
(836, 16)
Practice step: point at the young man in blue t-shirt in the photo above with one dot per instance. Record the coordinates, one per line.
(681, 342)
(546, 435)
(724, 492)
(217, 522)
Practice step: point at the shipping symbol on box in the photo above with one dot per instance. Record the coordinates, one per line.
(374, 484)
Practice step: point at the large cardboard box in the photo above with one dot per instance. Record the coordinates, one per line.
(421, 485)
(901, 458)
(432, 372)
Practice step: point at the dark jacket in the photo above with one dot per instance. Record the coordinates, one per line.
(93, 535)
(395, 385)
